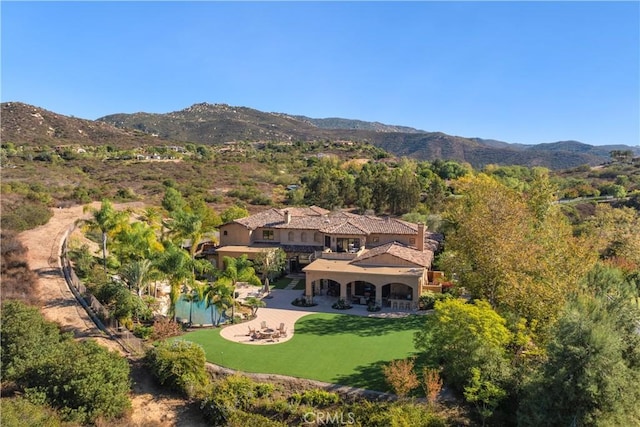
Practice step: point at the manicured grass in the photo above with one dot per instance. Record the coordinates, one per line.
(300, 286)
(281, 283)
(335, 348)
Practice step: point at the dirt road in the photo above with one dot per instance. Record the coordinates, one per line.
(151, 406)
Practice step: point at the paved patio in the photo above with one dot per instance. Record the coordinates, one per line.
(280, 310)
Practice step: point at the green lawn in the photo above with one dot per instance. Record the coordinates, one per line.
(335, 348)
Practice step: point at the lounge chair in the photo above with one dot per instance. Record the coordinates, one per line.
(281, 327)
(282, 332)
(251, 330)
(263, 325)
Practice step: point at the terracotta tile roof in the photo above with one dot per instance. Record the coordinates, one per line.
(315, 218)
(398, 250)
(267, 218)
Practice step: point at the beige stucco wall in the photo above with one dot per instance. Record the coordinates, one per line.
(386, 259)
(388, 238)
(237, 234)
(297, 237)
(258, 235)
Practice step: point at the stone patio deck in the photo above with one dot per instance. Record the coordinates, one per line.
(280, 310)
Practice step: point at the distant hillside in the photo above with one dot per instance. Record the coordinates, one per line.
(28, 125)
(219, 123)
(348, 124)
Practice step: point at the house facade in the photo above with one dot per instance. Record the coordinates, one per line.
(363, 259)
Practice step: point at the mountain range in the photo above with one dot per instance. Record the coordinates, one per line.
(219, 123)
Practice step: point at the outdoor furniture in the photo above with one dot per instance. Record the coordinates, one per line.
(251, 330)
(282, 330)
(263, 325)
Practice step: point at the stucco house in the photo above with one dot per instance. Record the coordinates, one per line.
(363, 259)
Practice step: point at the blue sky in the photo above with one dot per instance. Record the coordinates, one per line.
(522, 72)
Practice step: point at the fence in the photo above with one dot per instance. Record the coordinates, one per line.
(98, 313)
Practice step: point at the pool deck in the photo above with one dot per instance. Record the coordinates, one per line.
(280, 310)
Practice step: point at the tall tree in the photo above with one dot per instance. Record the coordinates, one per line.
(517, 253)
(106, 220)
(592, 373)
(237, 270)
(219, 295)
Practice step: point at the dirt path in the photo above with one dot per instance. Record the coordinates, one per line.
(151, 407)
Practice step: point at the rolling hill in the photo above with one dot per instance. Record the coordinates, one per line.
(220, 123)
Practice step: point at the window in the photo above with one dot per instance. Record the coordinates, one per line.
(290, 236)
(224, 233)
(267, 234)
(317, 237)
(412, 240)
(303, 236)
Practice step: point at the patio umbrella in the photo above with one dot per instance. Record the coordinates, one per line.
(266, 286)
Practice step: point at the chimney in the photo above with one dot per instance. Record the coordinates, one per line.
(420, 242)
(287, 216)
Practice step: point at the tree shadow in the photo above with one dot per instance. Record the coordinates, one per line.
(49, 272)
(358, 325)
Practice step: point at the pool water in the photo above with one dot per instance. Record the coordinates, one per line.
(200, 313)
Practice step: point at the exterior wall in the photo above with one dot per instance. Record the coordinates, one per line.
(258, 235)
(335, 237)
(300, 237)
(386, 260)
(388, 238)
(236, 234)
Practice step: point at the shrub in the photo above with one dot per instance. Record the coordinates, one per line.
(400, 376)
(19, 412)
(81, 379)
(341, 305)
(180, 365)
(315, 397)
(25, 216)
(142, 331)
(165, 328)
(302, 302)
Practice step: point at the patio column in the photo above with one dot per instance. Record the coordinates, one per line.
(309, 279)
(415, 290)
(343, 291)
(378, 295)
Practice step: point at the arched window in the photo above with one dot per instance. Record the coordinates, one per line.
(303, 236)
(316, 237)
(290, 236)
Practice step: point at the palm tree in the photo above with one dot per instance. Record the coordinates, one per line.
(238, 270)
(195, 294)
(136, 241)
(186, 226)
(106, 220)
(219, 295)
(137, 275)
(255, 304)
(176, 264)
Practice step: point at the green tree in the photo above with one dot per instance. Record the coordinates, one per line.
(254, 303)
(218, 295)
(592, 373)
(107, 221)
(465, 338)
(270, 263)
(138, 274)
(233, 212)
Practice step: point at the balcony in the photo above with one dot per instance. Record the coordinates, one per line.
(328, 254)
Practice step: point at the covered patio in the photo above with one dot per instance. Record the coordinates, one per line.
(398, 286)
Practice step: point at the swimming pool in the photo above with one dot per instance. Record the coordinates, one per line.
(200, 313)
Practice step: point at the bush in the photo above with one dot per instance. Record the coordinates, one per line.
(302, 302)
(81, 379)
(165, 328)
(25, 216)
(180, 365)
(142, 331)
(315, 397)
(18, 412)
(341, 305)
